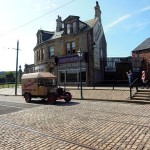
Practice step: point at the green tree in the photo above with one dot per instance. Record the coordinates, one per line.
(10, 76)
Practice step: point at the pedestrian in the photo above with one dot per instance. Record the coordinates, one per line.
(130, 76)
(144, 79)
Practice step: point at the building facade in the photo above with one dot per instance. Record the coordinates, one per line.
(141, 56)
(56, 51)
(29, 68)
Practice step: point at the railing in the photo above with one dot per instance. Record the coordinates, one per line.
(136, 84)
(8, 85)
(102, 83)
(111, 83)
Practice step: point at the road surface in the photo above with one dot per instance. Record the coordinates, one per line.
(9, 104)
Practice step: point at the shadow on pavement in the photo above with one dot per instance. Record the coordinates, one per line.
(57, 103)
(63, 103)
(39, 101)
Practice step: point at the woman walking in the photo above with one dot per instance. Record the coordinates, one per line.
(144, 79)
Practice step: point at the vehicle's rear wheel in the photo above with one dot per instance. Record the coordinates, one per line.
(43, 99)
(27, 97)
(51, 99)
(67, 96)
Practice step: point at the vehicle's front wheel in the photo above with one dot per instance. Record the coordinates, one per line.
(27, 97)
(67, 96)
(51, 99)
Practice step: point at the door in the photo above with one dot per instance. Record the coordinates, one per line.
(41, 87)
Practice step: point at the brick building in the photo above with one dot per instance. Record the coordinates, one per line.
(56, 51)
(141, 56)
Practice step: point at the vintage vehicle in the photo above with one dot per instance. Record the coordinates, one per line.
(43, 85)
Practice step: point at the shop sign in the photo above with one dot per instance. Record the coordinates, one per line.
(71, 66)
(68, 59)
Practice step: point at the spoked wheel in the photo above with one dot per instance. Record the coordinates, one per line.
(51, 99)
(67, 96)
(27, 97)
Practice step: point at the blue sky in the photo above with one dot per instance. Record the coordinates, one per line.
(126, 24)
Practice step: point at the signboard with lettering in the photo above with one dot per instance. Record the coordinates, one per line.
(71, 66)
(68, 59)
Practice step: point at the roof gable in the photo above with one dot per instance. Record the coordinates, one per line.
(45, 35)
(143, 46)
(71, 18)
(91, 22)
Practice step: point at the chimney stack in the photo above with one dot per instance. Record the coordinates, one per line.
(97, 11)
(58, 24)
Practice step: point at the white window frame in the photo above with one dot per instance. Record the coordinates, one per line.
(68, 28)
(73, 47)
(51, 52)
(68, 46)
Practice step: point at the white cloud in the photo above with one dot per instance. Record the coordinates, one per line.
(51, 6)
(117, 21)
(139, 26)
(144, 9)
(40, 6)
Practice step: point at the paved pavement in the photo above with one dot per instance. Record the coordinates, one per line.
(78, 125)
(119, 94)
(98, 93)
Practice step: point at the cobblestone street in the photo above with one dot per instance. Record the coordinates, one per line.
(78, 125)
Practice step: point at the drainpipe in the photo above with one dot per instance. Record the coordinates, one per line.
(87, 66)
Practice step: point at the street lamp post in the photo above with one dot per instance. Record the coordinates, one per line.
(94, 46)
(80, 53)
(16, 68)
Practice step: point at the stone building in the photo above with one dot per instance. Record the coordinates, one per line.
(56, 51)
(29, 68)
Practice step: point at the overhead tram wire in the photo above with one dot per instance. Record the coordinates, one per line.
(21, 26)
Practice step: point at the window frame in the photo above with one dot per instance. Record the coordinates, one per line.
(68, 28)
(70, 48)
(51, 52)
(42, 53)
(74, 27)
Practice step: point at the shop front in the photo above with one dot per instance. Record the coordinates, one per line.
(69, 70)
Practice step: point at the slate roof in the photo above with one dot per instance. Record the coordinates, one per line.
(84, 26)
(45, 34)
(57, 35)
(91, 22)
(143, 46)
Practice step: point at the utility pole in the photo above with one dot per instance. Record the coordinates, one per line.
(16, 80)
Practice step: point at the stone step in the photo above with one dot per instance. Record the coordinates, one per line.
(141, 95)
(140, 101)
(144, 90)
(141, 98)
